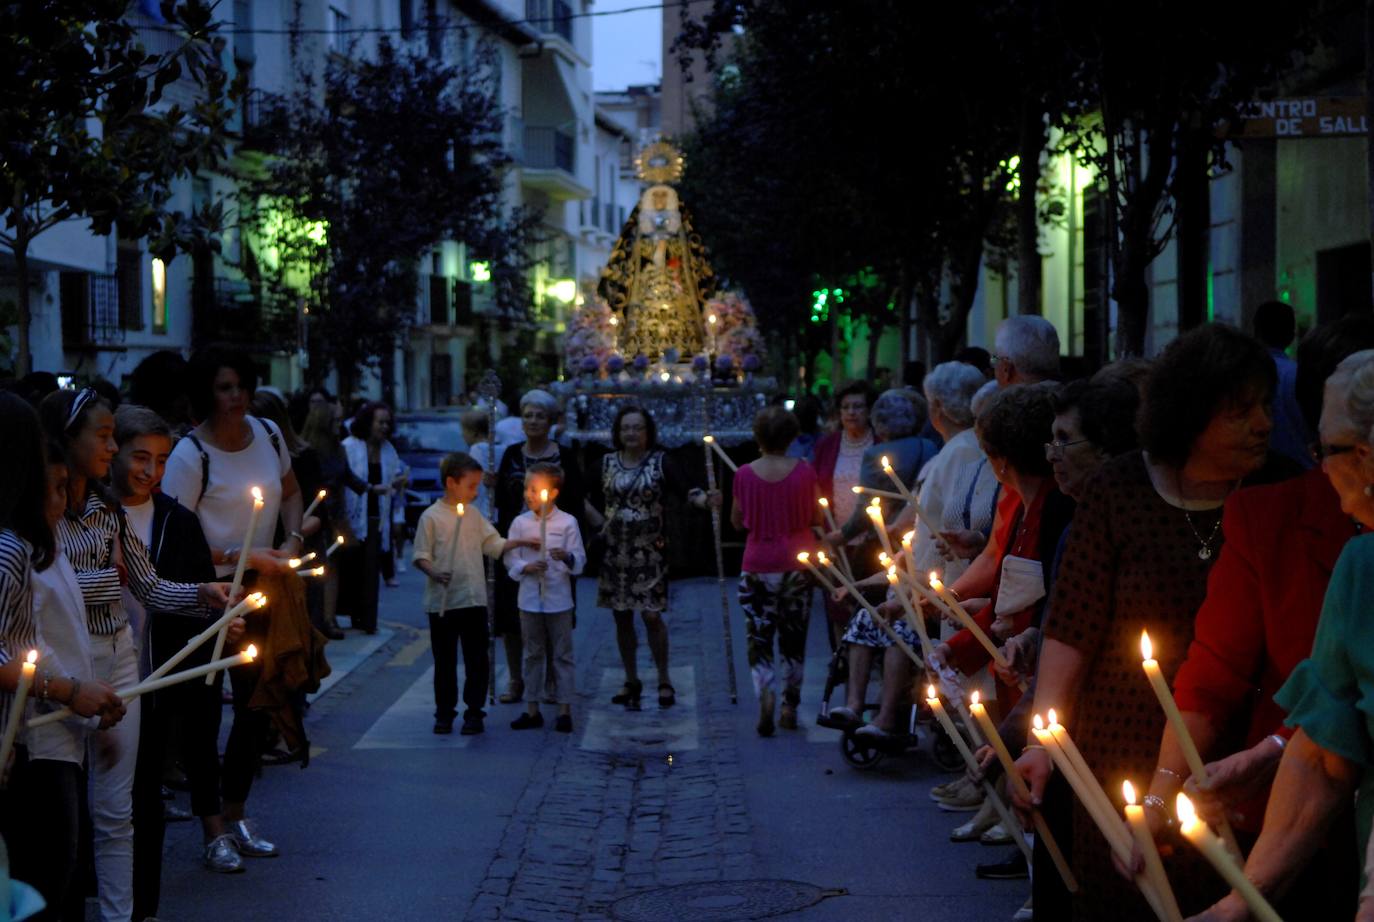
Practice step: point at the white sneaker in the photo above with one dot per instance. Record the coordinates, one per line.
(1025, 913)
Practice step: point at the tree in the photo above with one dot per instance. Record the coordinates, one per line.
(82, 131)
(396, 154)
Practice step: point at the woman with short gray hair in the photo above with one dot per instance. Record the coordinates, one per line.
(538, 412)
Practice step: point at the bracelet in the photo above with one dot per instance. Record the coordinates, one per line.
(1029, 746)
(1154, 800)
(1279, 741)
(1171, 773)
(298, 536)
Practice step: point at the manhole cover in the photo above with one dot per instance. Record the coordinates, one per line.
(718, 901)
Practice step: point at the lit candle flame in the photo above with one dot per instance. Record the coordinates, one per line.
(1147, 649)
(460, 509)
(1038, 722)
(825, 503)
(257, 495)
(973, 699)
(320, 495)
(318, 571)
(32, 657)
(935, 581)
(664, 376)
(908, 538)
(892, 575)
(711, 318)
(294, 562)
(1187, 814)
(543, 496)
(930, 692)
(258, 599)
(856, 490)
(821, 556)
(874, 512)
(339, 539)
(887, 465)
(804, 556)
(884, 559)
(1054, 719)
(1128, 792)
(251, 652)
(708, 439)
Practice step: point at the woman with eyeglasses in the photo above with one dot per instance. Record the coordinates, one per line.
(1287, 547)
(1145, 536)
(634, 572)
(108, 557)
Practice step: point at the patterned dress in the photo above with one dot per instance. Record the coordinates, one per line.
(634, 574)
(1132, 562)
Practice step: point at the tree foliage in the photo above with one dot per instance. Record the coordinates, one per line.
(364, 175)
(86, 133)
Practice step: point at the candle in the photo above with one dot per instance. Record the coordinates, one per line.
(338, 543)
(317, 571)
(459, 511)
(878, 619)
(295, 563)
(252, 603)
(319, 497)
(1085, 789)
(1154, 868)
(912, 618)
(875, 513)
(1009, 822)
(1216, 852)
(711, 321)
(906, 494)
(309, 557)
(831, 526)
(712, 444)
(1175, 717)
(543, 524)
(238, 572)
(21, 692)
(1070, 749)
(946, 600)
(871, 491)
(1018, 786)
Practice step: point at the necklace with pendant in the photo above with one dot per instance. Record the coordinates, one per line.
(1205, 551)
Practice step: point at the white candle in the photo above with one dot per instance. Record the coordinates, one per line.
(871, 491)
(1018, 786)
(712, 444)
(946, 600)
(1154, 868)
(912, 618)
(875, 513)
(252, 603)
(338, 543)
(853, 590)
(1086, 789)
(1216, 852)
(459, 511)
(238, 573)
(906, 494)
(1175, 717)
(319, 497)
(543, 524)
(21, 693)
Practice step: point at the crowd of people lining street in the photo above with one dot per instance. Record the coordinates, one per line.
(1214, 495)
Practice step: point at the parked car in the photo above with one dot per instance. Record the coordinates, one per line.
(422, 438)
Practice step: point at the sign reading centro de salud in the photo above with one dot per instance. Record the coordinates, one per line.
(1305, 117)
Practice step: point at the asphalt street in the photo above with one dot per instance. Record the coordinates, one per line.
(615, 821)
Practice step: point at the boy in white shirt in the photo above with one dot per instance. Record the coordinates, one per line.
(546, 593)
(456, 590)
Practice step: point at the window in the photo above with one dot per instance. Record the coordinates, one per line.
(407, 19)
(129, 271)
(338, 30)
(434, 33)
(159, 273)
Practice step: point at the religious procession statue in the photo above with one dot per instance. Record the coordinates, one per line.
(658, 278)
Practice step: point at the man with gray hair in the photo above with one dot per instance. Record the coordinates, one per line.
(1025, 351)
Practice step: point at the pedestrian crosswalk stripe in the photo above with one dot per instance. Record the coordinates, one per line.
(611, 728)
(409, 722)
(346, 655)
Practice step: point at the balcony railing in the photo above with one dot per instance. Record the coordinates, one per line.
(551, 16)
(611, 226)
(229, 310)
(261, 111)
(90, 310)
(549, 149)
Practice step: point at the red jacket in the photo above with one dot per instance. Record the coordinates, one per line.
(1264, 596)
(824, 456)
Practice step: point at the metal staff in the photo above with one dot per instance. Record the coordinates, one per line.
(720, 558)
(490, 389)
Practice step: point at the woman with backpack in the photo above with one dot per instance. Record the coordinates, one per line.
(211, 472)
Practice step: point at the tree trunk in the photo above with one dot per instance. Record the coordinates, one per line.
(1194, 222)
(24, 357)
(1132, 294)
(1029, 269)
(963, 289)
(875, 333)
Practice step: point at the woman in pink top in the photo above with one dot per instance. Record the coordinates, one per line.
(775, 501)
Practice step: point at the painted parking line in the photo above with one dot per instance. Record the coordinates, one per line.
(653, 730)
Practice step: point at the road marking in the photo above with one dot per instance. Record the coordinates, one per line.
(409, 722)
(348, 654)
(611, 728)
(407, 655)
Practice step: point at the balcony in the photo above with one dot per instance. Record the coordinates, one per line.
(262, 116)
(548, 157)
(90, 311)
(551, 16)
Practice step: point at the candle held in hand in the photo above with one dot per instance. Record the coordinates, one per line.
(319, 498)
(27, 671)
(1154, 868)
(239, 567)
(1216, 852)
(338, 543)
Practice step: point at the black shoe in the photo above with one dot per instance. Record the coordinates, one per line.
(667, 695)
(1013, 867)
(471, 726)
(563, 723)
(442, 727)
(527, 721)
(629, 695)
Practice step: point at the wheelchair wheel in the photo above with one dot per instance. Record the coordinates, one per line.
(860, 754)
(946, 757)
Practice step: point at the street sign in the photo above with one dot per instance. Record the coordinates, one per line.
(1303, 117)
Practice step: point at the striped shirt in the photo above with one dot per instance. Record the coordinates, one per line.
(89, 543)
(18, 630)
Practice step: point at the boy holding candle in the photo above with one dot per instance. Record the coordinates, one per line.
(449, 546)
(546, 593)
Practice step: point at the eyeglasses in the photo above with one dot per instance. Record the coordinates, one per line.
(1058, 445)
(1320, 451)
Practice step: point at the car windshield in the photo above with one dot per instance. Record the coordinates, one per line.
(428, 435)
